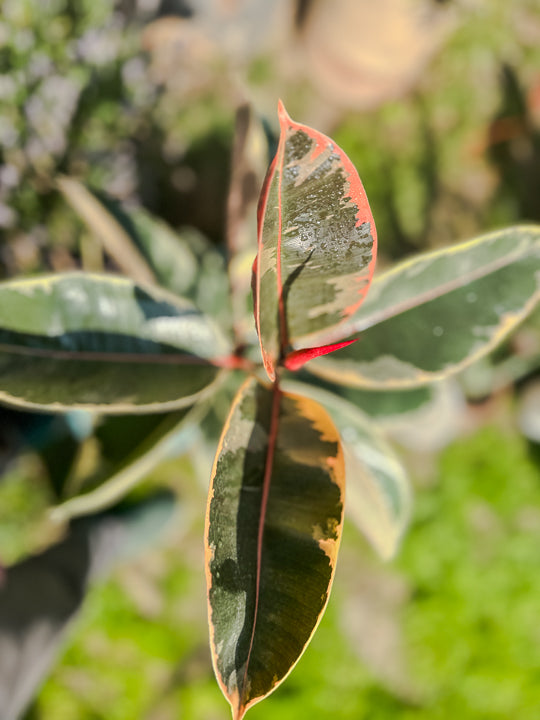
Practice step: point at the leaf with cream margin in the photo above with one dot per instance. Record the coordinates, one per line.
(433, 315)
(273, 529)
(131, 447)
(103, 343)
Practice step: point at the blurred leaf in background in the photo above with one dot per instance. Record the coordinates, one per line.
(41, 595)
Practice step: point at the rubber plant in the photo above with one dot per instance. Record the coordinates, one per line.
(117, 345)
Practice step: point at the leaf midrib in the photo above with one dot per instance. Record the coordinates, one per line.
(267, 477)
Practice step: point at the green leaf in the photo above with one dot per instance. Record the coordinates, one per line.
(272, 535)
(433, 315)
(164, 434)
(183, 262)
(131, 447)
(378, 492)
(393, 405)
(210, 293)
(106, 228)
(102, 343)
(168, 255)
(147, 249)
(317, 243)
(59, 453)
(398, 405)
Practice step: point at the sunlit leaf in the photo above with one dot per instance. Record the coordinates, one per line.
(516, 360)
(170, 258)
(380, 404)
(272, 535)
(102, 342)
(435, 314)
(131, 447)
(317, 243)
(378, 491)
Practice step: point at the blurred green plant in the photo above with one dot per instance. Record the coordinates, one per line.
(65, 68)
(137, 368)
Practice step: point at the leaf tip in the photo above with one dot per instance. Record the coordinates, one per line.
(283, 115)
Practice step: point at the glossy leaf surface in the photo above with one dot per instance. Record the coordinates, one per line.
(433, 315)
(378, 492)
(102, 342)
(316, 245)
(272, 535)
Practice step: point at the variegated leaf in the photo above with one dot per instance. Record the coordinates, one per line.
(272, 534)
(316, 243)
(433, 315)
(103, 343)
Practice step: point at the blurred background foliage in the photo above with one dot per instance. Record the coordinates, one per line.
(438, 106)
